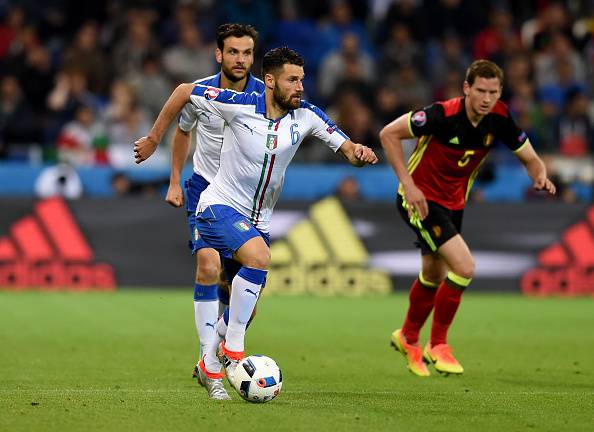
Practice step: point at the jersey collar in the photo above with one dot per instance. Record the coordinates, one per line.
(261, 107)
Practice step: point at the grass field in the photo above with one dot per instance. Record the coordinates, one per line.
(111, 362)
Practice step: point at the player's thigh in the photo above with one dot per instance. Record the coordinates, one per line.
(254, 253)
(456, 254)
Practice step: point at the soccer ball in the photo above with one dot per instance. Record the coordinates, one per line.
(259, 377)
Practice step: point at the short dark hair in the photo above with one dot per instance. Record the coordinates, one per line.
(277, 57)
(236, 30)
(483, 69)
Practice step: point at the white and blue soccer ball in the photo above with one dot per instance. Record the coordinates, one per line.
(259, 378)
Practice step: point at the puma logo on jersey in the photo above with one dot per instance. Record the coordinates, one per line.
(249, 128)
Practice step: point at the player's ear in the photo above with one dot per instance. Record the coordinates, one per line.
(466, 88)
(219, 56)
(269, 80)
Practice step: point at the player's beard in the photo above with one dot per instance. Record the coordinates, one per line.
(285, 102)
(231, 76)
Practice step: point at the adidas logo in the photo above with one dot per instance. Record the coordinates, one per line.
(323, 255)
(47, 250)
(567, 267)
(454, 140)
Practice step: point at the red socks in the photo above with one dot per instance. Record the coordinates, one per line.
(421, 299)
(447, 301)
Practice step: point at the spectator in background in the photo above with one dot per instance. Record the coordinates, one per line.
(400, 50)
(124, 120)
(152, 77)
(69, 92)
(388, 105)
(190, 58)
(86, 54)
(340, 22)
(560, 65)
(490, 43)
(13, 24)
(407, 12)
(137, 44)
(445, 57)
(347, 64)
(348, 190)
(75, 141)
(575, 134)
(412, 89)
(18, 123)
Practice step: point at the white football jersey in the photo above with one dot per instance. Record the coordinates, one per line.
(256, 150)
(208, 138)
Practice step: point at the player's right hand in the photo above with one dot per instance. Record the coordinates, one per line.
(175, 195)
(416, 202)
(144, 148)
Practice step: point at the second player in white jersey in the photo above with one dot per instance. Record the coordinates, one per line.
(257, 150)
(208, 138)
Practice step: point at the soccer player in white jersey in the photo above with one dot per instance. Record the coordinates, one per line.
(235, 53)
(262, 134)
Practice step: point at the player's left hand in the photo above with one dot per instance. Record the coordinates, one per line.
(543, 183)
(144, 148)
(365, 154)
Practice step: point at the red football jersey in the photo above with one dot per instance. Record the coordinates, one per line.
(450, 150)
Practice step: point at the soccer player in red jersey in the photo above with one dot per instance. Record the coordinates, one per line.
(454, 138)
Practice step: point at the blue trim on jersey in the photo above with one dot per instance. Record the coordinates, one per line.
(224, 95)
(321, 114)
(252, 84)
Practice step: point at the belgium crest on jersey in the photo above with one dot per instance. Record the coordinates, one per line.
(271, 141)
(488, 139)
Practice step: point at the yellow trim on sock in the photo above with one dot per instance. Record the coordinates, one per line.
(459, 280)
(426, 282)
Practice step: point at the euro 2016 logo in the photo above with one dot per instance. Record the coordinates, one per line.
(271, 141)
(211, 93)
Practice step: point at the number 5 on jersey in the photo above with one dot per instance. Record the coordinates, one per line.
(466, 158)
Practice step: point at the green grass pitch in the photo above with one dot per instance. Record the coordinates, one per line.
(122, 362)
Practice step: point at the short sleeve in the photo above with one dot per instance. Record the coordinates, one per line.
(426, 121)
(188, 118)
(511, 135)
(222, 103)
(324, 128)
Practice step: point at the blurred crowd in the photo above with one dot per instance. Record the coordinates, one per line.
(79, 81)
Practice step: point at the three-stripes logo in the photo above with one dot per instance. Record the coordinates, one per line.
(566, 267)
(47, 250)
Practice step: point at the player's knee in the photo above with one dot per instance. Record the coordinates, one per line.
(259, 260)
(466, 269)
(208, 271)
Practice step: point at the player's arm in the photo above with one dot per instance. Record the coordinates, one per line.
(146, 146)
(357, 154)
(535, 167)
(391, 137)
(179, 153)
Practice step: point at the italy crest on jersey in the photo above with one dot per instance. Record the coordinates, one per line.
(271, 141)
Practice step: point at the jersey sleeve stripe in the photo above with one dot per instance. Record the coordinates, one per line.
(410, 124)
(522, 146)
